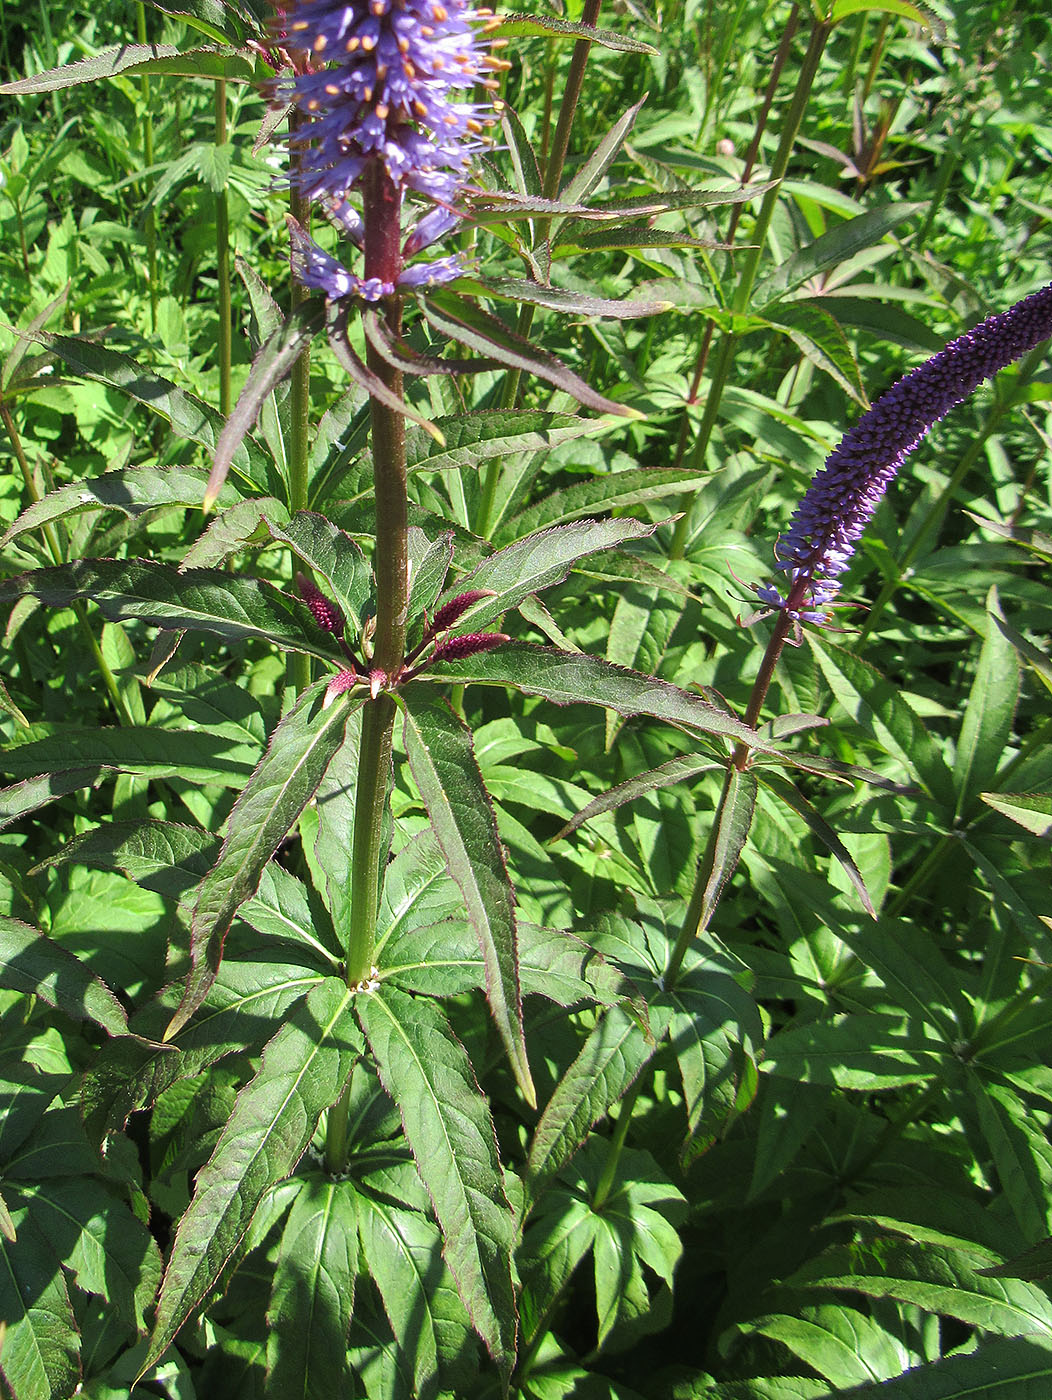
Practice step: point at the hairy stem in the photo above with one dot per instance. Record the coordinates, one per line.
(223, 261)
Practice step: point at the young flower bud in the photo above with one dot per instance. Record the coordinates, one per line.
(343, 680)
(456, 648)
(326, 614)
(450, 613)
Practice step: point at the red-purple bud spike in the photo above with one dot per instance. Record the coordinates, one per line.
(469, 645)
(326, 614)
(450, 613)
(343, 680)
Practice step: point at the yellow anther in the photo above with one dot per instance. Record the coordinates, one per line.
(368, 43)
(440, 12)
(382, 110)
(352, 44)
(419, 109)
(320, 43)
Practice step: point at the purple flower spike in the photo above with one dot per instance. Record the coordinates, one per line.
(821, 539)
(388, 94)
(469, 645)
(315, 268)
(451, 612)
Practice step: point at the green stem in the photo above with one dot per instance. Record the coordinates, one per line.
(147, 154)
(608, 1175)
(750, 265)
(223, 261)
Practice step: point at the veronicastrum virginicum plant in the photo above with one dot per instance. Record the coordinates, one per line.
(337, 940)
(344, 1007)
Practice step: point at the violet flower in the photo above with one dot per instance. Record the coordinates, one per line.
(386, 94)
(821, 538)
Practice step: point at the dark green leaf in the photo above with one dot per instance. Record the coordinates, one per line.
(33, 964)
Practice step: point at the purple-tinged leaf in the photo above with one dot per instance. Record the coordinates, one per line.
(472, 439)
(400, 356)
(588, 175)
(33, 964)
(486, 334)
(442, 759)
(330, 552)
(303, 1072)
(33, 793)
(567, 679)
(286, 778)
(786, 793)
(523, 157)
(227, 605)
(570, 240)
(727, 840)
(363, 376)
(275, 360)
(448, 1126)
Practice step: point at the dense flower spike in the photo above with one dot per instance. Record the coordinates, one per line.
(327, 615)
(841, 499)
(387, 94)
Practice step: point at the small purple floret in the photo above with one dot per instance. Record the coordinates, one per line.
(821, 538)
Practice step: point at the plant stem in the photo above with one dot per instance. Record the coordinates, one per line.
(223, 260)
(617, 1142)
(147, 155)
(750, 264)
(391, 566)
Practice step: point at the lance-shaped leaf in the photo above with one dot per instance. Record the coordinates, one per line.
(555, 299)
(567, 679)
(821, 830)
(587, 177)
(147, 751)
(363, 376)
(287, 777)
(274, 361)
(135, 59)
(190, 417)
(34, 793)
(605, 1069)
(487, 335)
(132, 491)
(397, 353)
(476, 438)
(41, 1344)
(201, 600)
(442, 758)
(520, 26)
(676, 770)
(532, 564)
(303, 1072)
(617, 489)
(332, 554)
(309, 1314)
(447, 1123)
(32, 963)
(727, 839)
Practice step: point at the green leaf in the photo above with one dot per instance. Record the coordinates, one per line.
(556, 299)
(1020, 1152)
(33, 793)
(448, 1126)
(863, 1051)
(190, 417)
(473, 439)
(1030, 810)
(878, 707)
(131, 491)
(331, 553)
(727, 839)
(787, 793)
(535, 563)
(227, 605)
(916, 14)
(312, 1296)
(109, 1252)
(566, 678)
(515, 26)
(987, 724)
(285, 780)
(610, 492)
(607, 1066)
(150, 751)
(670, 774)
(41, 1344)
(402, 1255)
(135, 59)
(303, 1072)
(275, 359)
(33, 964)
(841, 1344)
(935, 1278)
(442, 759)
(829, 250)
